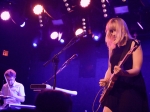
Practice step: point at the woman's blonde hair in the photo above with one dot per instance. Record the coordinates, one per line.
(122, 32)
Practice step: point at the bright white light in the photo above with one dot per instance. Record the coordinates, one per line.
(140, 25)
(96, 38)
(38, 9)
(85, 3)
(34, 45)
(23, 24)
(78, 31)
(5, 15)
(104, 10)
(66, 4)
(54, 35)
(83, 23)
(83, 19)
(102, 1)
(62, 41)
(68, 9)
(103, 5)
(105, 15)
(84, 27)
(41, 25)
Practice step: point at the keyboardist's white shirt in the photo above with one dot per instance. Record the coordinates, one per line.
(17, 88)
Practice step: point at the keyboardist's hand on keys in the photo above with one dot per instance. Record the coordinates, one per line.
(13, 95)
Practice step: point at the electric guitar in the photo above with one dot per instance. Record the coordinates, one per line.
(114, 77)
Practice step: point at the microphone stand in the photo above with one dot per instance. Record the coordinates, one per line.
(55, 59)
(62, 67)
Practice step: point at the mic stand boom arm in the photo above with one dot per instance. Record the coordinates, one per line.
(63, 66)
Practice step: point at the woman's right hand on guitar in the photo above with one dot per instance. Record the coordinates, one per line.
(102, 82)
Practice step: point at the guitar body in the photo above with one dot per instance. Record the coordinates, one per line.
(108, 87)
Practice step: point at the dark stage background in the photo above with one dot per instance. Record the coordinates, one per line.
(82, 74)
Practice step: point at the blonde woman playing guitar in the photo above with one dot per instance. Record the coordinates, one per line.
(124, 85)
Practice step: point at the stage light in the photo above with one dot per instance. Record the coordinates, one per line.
(83, 23)
(104, 10)
(5, 15)
(34, 44)
(38, 9)
(66, 4)
(40, 21)
(54, 35)
(79, 32)
(103, 5)
(105, 15)
(85, 3)
(68, 9)
(83, 19)
(84, 27)
(23, 24)
(96, 38)
(102, 1)
(62, 41)
(96, 35)
(41, 25)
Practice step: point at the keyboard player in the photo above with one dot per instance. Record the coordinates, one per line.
(12, 91)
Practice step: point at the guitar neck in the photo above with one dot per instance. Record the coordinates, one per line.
(127, 55)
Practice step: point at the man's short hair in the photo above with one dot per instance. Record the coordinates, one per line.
(10, 73)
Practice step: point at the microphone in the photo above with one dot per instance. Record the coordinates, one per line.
(70, 59)
(73, 57)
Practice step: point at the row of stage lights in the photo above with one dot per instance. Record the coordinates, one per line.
(87, 30)
(39, 9)
(83, 3)
(104, 7)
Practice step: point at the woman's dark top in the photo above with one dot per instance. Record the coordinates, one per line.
(128, 93)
